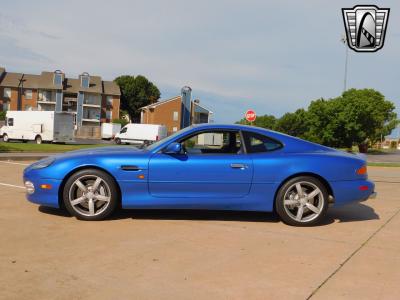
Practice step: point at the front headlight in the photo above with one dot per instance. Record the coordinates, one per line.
(43, 163)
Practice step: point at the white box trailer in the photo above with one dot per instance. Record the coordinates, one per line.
(140, 133)
(210, 139)
(38, 126)
(109, 130)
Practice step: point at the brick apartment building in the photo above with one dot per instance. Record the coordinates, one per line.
(168, 113)
(91, 99)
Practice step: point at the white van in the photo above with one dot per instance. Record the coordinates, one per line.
(139, 133)
(38, 126)
(109, 130)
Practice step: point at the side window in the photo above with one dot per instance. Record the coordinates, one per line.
(123, 130)
(10, 121)
(213, 142)
(257, 143)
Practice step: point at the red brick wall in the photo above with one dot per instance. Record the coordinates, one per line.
(163, 115)
(114, 108)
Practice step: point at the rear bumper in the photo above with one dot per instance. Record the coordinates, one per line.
(352, 191)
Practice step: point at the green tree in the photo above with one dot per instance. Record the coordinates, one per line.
(266, 121)
(136, 92)
(358, 117)
(295, 124)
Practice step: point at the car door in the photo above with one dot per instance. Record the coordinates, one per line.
(212, 168)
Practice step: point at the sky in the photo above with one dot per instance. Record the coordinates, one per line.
(269, 56)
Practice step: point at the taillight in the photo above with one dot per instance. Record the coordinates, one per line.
(362, 170)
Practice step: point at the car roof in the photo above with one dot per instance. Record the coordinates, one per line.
(291, 143)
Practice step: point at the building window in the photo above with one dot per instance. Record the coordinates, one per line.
(7, 93)
(6, 106)
(57, 78)
(109, 100)
(45, 96)
(109, 114)
(174, 129)
(175, 116)
(28, 94)
(92, 99)
(85, 80)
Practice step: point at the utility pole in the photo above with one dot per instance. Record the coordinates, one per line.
(344, 41)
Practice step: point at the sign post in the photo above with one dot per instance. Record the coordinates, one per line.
(250, 116)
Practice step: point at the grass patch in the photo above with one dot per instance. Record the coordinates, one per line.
(383, 164)
(50, 148)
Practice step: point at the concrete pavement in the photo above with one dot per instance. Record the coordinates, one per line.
(45, 253)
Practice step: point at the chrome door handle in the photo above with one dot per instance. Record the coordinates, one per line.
(238, 166)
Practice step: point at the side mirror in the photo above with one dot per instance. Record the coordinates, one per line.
(173, 148)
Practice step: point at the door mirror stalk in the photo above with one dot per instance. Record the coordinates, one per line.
(173, 148)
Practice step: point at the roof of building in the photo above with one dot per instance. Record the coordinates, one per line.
(30, 81)
(11, 79)
(201, 109)
(46, 81)
(95, 85)
(161, 102)
(71, 85)
(111, 88)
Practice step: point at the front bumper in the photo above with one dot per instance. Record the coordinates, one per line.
(46, 197)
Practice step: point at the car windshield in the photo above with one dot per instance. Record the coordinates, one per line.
(167, 139)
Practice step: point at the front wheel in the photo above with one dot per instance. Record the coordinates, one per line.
(302, 201)
(38, 139)
(90, 195)
(118, 141)
(5, 138)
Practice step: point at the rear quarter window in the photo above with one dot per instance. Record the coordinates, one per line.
(258, 143)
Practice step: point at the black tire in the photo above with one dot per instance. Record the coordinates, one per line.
(118, 141)
(313, 210)
(81, 210)
(38, 139)
(5, 138)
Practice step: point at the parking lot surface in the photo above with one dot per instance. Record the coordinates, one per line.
(46, 254)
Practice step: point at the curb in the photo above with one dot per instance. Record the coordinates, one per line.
(24, 156)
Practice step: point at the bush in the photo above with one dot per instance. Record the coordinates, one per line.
(2, 115)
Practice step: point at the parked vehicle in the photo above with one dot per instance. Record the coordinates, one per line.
(38, 126)
(109, 130)
(253, 169)
(139, 133)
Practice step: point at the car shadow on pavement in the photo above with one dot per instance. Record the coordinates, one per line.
(201, 215)
(176, 214)
(351, 213)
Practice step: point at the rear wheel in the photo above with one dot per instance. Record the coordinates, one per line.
(90, 195)
(302, 201)
(38, 139)
(5, 138)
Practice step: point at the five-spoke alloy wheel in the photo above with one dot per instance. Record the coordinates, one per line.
(90, 194)
(302, 201)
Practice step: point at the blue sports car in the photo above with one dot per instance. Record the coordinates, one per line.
(215, 167)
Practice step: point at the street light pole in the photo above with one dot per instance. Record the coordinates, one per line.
(344, 41)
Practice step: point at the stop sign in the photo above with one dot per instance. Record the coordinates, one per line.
(250, 115)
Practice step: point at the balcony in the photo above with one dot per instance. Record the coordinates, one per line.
(70, 99)
(91, 105)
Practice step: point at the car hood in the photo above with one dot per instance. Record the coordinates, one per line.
(101, 151)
